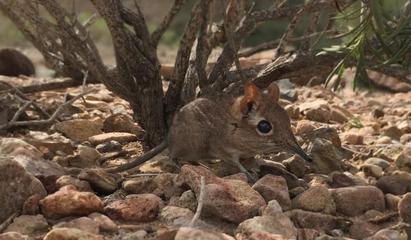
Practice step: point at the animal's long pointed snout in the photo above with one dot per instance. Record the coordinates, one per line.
(294, 147)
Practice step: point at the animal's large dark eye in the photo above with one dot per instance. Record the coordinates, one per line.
(264, 126)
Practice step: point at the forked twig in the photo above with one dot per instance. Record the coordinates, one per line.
(200, 202)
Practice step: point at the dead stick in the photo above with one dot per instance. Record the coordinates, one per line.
(200, 202)
(8, 221)
(20, 111)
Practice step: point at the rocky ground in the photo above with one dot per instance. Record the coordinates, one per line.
(52, 185)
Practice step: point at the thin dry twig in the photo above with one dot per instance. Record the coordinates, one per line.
(8, 221)
(250, 22)
(52, 118)
(231, 20)
(165, 23)
(19, 112)
(291, 27)
(200, 202)
(23, 98)
(314, 22)
(272, 44)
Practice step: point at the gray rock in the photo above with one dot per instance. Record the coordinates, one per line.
(28, 224)
(16, 186)
(16, 147)
(403, 160)
(277, 224)
(139, 185)
(111, 146)
(317, 110)
(315, 199)
(81, 185)
(187, 200)
(272, 208)
(361, 229)
(342, 180)
(69, 234)
(320, 221)
(287, 90)
(326, 157)
(274, 188)
(166, 185)
(389, 152)
(296, 191)
(104, 222)
(268, 167)
(404, 208)
(354, 201)
(388, 234)
(54, 143)
(87, 157)
(122, 123)
(14, 236)
(378, 161)
(83, 223)
(100, 180)
(405, 139)
(296, 165)
(392, 132)
(398, 183)
(371, 170)
(339, 114)
(46, 171)
(176, 216)
(137, 235)
(186, 233)
(163, 185)
(392, 201)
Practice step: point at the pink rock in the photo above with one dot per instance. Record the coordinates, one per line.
(16, 186)
(70, 202)
(232, 200)
(139, 207)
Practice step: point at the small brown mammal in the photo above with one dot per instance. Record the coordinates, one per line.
(228, 128)
(14, 63)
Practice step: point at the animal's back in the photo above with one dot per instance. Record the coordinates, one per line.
(14, 63)
(195, 127)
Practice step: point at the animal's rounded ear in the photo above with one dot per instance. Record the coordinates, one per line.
(251, 98)
(274, 91)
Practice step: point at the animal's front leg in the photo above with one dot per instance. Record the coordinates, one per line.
(236, 161)
(179, 163)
